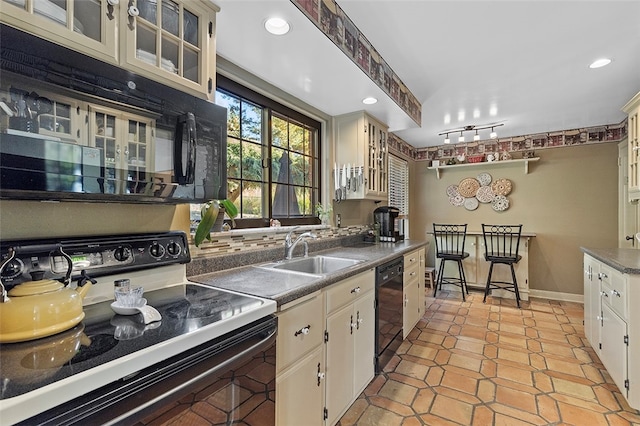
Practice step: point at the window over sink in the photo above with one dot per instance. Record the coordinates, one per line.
(273, 157)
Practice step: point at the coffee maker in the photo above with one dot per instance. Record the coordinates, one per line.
(386, 217)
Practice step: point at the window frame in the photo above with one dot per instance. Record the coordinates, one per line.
(235, 89)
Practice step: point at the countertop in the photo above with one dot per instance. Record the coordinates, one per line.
(626, 261)
(285, 287)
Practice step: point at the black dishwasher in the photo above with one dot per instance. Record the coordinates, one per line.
(389, 306)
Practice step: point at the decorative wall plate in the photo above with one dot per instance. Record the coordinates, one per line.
(484, 179)
(468, 187)
(471, 203)
(500, 203)
(457, 200)
(485, 194)
(452, 190)
(501, 187)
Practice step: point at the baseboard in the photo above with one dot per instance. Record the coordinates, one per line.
(556, 295)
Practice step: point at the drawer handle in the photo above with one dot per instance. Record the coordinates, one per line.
(355, 290)
(303, 330)
(413, 259)
(320, 374)
(602, 275)
(412, 273)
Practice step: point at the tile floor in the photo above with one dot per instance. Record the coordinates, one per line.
(470, 363)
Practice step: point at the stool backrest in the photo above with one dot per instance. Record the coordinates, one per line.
(449, 238)
(502, 240)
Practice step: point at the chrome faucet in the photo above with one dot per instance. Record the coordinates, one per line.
(289, 246)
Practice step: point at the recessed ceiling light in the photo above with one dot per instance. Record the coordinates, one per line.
(277, 26)
(599, 63)
(369, 101)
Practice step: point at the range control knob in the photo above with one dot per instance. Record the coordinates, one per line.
(174, 248)
(156, 250)
(122, 253)
(12, 269)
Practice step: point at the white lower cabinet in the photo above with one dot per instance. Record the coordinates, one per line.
(611, 325)
(300, 392)
(592, 309)
(300, 363)
(325, 352)
(350, 342)
(413, 291)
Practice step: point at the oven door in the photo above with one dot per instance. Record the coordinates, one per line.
(230, 379)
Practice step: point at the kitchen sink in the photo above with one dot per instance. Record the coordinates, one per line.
(312, 265)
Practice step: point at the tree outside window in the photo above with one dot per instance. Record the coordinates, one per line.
(272, 158)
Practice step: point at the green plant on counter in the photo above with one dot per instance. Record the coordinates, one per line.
(209, 214)
(324, 213)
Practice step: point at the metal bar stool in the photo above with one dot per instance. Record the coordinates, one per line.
(450, 247)
(502, 243)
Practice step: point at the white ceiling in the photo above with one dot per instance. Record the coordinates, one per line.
(524, 63)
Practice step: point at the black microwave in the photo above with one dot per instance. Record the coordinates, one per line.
(75, 128)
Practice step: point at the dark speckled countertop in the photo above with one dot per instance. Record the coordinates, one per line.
(626, 261)
(285, 287)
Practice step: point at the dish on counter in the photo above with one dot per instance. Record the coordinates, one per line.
(128, 310)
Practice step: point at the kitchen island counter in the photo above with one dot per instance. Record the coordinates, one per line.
(623, 260)
(284, 287)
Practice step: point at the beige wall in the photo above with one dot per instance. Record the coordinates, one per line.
(568, 199)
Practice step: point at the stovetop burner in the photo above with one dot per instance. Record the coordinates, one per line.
(105, 336)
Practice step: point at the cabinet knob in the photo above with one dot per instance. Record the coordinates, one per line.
(604, 293)
(599, 317)
(615, 293)
(113, 2)
(303, 330)
(355, 290)
(133, 11)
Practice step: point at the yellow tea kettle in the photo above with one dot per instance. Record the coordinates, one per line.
(41, 307)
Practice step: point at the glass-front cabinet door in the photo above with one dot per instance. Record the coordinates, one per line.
(125, 142)
(88, 26)
(173, 40)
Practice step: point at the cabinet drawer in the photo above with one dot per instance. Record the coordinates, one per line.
(300, 329)
(349, 290)
(411, 259)
(411, 273)
(614, 290)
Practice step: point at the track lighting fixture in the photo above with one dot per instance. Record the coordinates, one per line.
(473, 127)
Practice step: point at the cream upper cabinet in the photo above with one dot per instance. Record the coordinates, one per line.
(169, 41)
(172, 41)
(88, 26)
(632, 109)
(361, 141)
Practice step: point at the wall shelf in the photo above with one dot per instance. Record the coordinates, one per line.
(525, 161)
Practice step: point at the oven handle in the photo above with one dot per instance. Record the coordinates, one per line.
(177, 391)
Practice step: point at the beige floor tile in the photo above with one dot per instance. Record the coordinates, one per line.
(474, 363)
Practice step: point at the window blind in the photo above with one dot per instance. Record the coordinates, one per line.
(399, 184)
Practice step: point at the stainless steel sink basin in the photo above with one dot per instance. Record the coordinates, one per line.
(312, 265)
